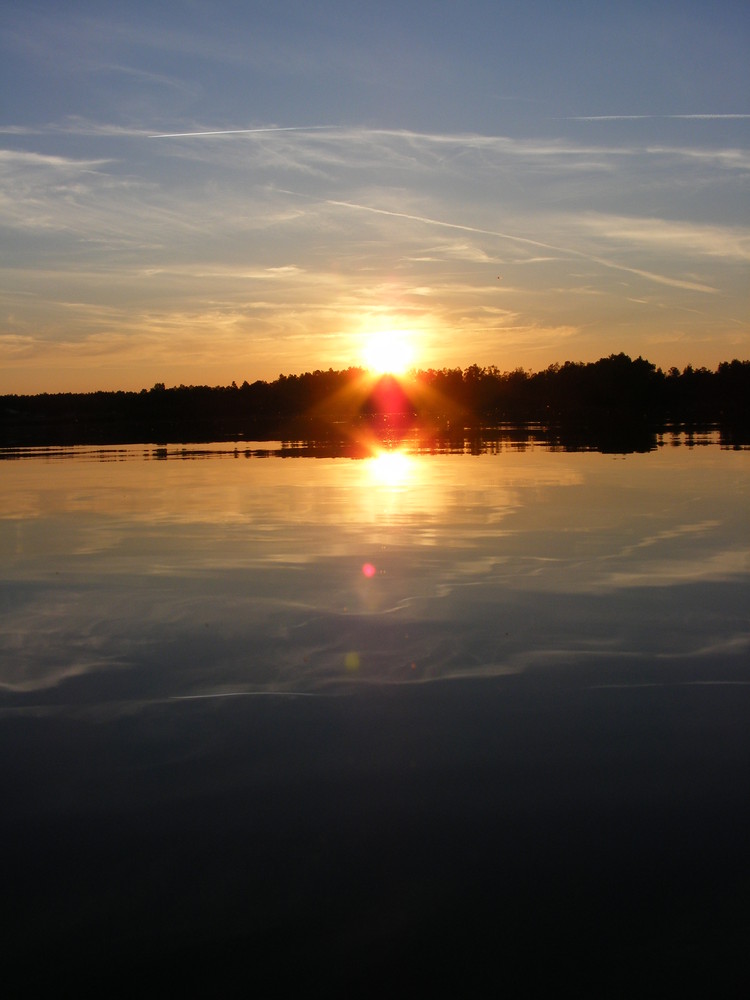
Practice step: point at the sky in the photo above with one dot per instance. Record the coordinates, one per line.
(205, 191)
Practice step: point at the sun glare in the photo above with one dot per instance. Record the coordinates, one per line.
(391, 468)
(388, 352)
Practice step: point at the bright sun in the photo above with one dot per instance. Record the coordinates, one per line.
(388, 352)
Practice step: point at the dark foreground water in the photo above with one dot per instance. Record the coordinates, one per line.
(477, 722)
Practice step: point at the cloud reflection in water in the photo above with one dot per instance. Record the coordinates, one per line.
(146, 580)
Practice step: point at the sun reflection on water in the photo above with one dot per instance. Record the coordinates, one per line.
(391, 468)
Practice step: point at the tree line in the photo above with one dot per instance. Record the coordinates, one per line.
(613, 391)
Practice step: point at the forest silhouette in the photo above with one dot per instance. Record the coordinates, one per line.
(616, 402)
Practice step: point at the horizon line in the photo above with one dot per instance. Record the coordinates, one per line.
(412, 372)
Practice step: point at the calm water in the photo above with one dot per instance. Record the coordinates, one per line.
(139, 573)
(504, 695)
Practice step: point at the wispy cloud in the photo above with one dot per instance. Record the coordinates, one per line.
(75, 126)
(659, 279)
(730, 159)
(277, 236)
(245, 131)
(677, 237)
(66, 164)
(445, 225)
(594, 258)
(617, 118)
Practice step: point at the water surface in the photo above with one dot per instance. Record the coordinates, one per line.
(136, 573)
(470, 718)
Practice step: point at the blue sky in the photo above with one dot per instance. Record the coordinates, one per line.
(495, 183)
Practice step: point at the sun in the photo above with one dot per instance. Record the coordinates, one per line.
(388, 352)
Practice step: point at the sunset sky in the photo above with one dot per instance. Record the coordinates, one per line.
(507, 183)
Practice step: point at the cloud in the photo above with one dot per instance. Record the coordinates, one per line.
(616, 118)
(76, 125)
(730, 159)
(676, 237)
(659, 279)
(458, 250)
(444, 224)
(614, 265)
(276, 233)
(245, 131)
(183, 86)
(10, 158)
(449, 150)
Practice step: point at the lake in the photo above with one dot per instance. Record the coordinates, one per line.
(471, 714)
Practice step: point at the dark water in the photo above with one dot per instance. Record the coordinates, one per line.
(476, 721)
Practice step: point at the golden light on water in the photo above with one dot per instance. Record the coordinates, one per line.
(391, 492)
(391, 468)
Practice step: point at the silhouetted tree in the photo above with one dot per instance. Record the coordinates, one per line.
(616, 392)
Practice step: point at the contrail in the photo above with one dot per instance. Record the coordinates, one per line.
(648, 275)
(453, 225)
(245, 131)
(616, 118)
